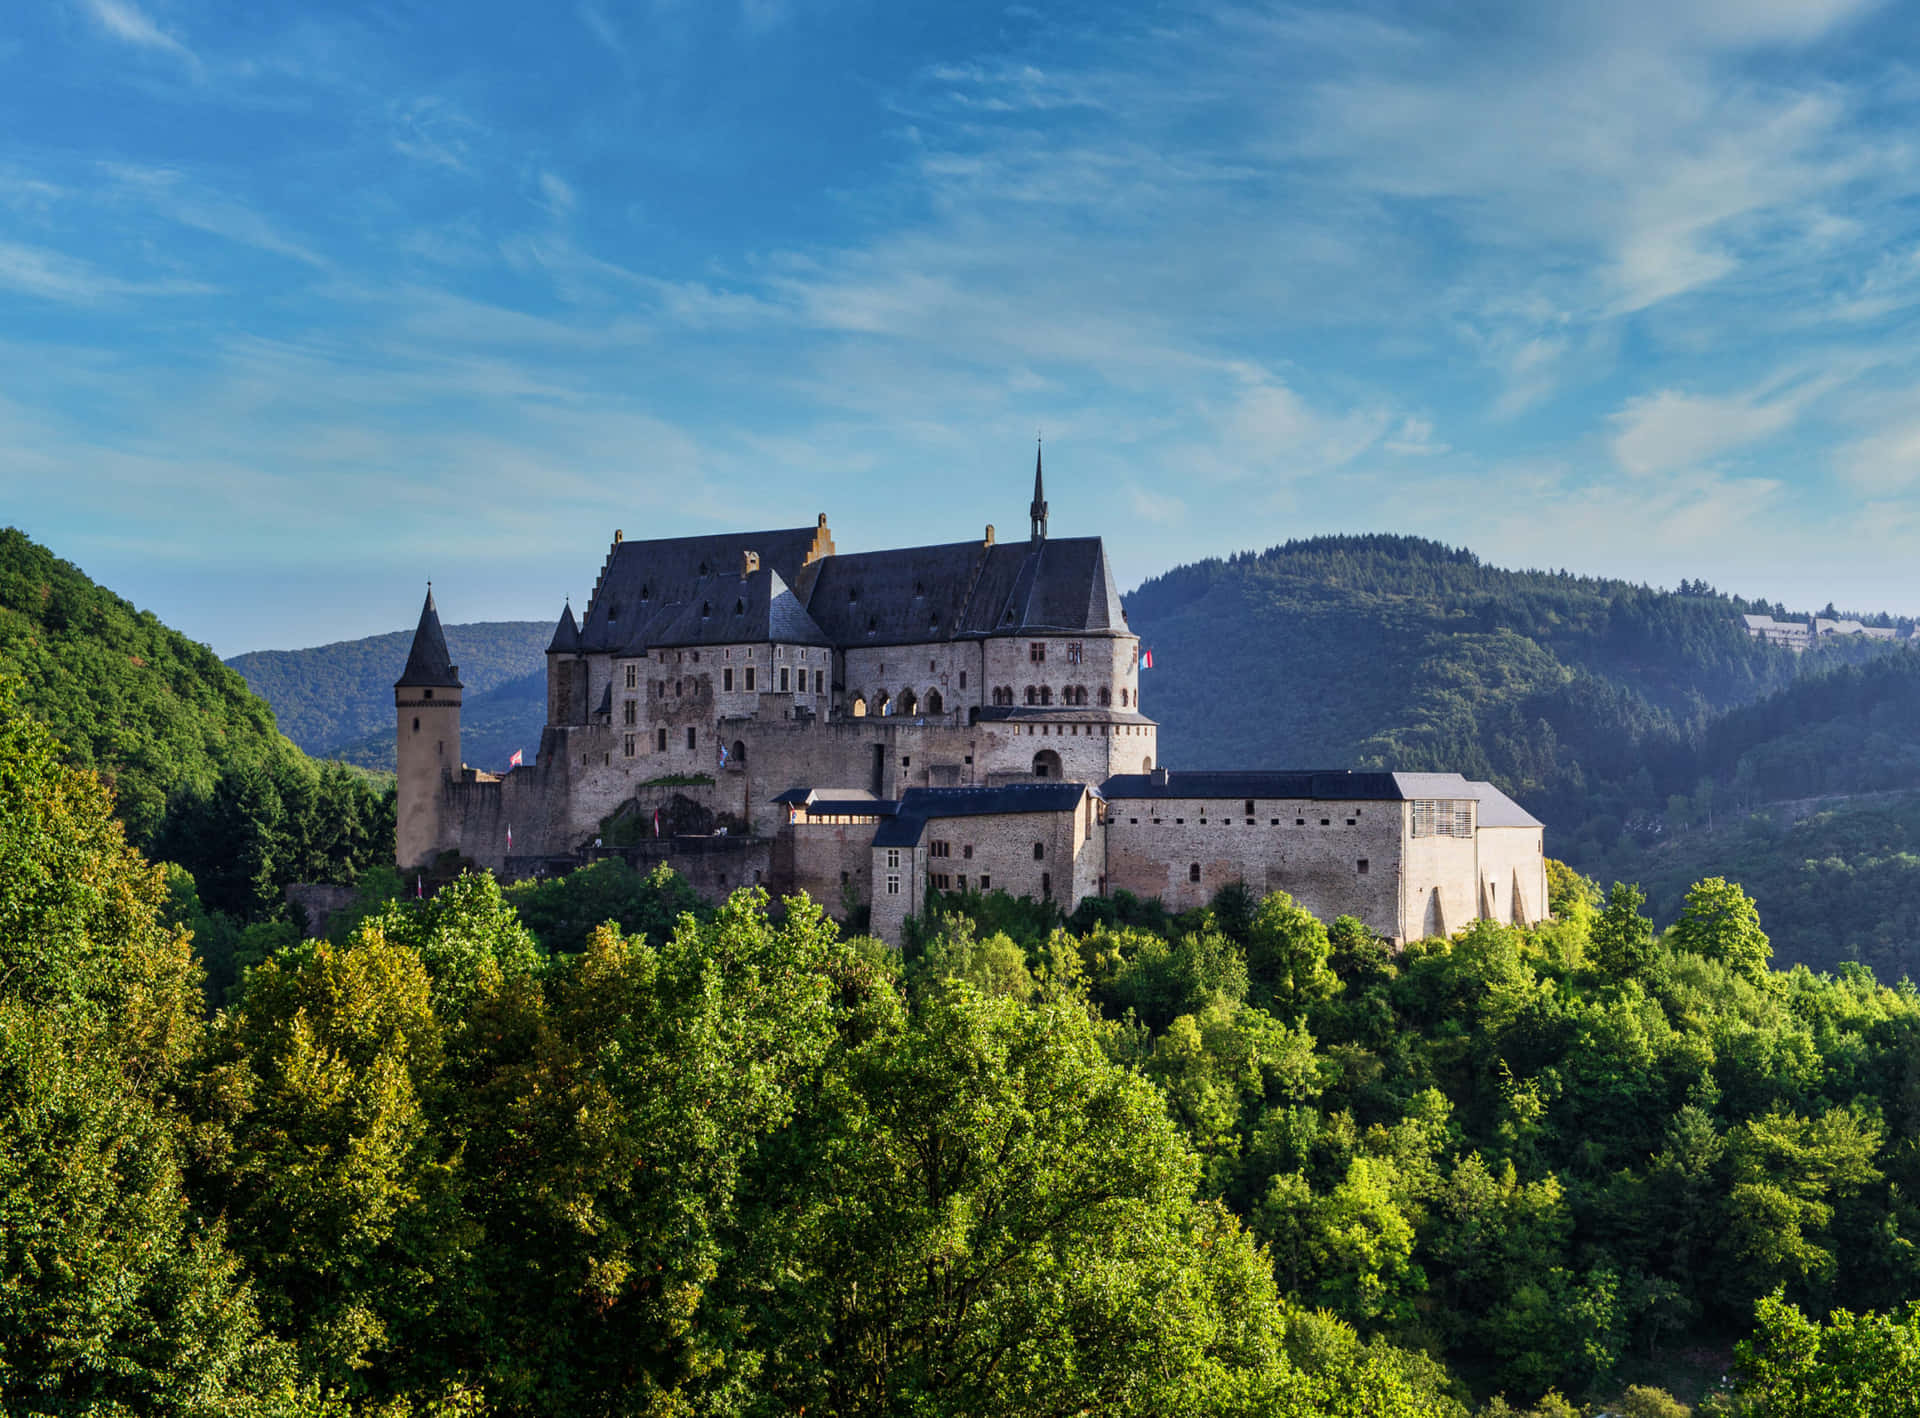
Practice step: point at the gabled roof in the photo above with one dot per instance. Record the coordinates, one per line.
(919, 806)
(755, 607)
(647, 584)
(566, 635)
(428, 664)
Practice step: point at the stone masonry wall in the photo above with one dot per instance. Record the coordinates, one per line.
(1510, 855)
(1312, 850)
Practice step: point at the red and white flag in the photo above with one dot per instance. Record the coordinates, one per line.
(509, 836)
(514, 762)
(656, 822)
(1146, 660)
(419, 888)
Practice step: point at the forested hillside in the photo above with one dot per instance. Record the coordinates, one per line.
(336, 700)
(480, 1154)
(492, 725)
(1626, 718)
(198, 773)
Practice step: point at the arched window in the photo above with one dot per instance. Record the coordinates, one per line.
(1033, 696)
(1046, 694)
(859, 708)
(1146, 764)
(1106, 698)
(1039, 851)
(1123, 699)
(935, 704)
(909, 705)
(1046, 764)
(739, 751)
(882, 705)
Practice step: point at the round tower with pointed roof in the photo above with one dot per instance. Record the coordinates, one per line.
(426, 702)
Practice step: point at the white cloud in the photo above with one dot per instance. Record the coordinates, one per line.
(53, 275)
(128, 23)
(1660, 432)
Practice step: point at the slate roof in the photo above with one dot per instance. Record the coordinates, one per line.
(650, 583)
(919, 806)
(428, 664)
(730, 609)
(1333, 785)
(566, 635)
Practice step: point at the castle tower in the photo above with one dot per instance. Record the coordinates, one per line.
(566, 673)
(1038, 511)
(426, 702)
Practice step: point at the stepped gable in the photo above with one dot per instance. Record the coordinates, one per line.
(566, 635)
(755, 607)
(428, 664)
(648, 584)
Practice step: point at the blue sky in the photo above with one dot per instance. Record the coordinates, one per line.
(299, 305)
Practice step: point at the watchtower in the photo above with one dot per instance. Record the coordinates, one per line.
(426, 703)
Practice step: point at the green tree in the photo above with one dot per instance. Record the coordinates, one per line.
(1853, 1366)
(1720, 922)
(1623, 938)
(1288, 956)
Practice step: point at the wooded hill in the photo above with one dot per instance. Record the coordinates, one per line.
(336, 701)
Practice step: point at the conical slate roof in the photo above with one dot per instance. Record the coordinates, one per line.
(566, 635)
(428, 664)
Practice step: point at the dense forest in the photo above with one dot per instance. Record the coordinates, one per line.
(1646, 728)
(336, 700)
(199, 774)
(589, 1147)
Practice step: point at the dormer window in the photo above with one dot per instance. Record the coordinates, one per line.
(739, 607)
(706, 609)
(853, 594)
(644, 593)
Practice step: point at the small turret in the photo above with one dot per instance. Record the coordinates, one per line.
(566, 673)
(1038, 511)
(426, 703)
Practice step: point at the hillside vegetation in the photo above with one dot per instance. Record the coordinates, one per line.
(198, 773)
(1624, 717)
(1234, 1164)
(336, 700)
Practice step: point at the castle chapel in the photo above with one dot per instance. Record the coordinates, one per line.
(759, 708)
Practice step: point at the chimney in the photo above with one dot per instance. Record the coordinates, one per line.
(1159, 777)
(749, 562)
(989, 534)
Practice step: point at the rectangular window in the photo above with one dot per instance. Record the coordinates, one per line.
(986, 882)
(663, 741)
(1037, 652)
(1249, 811)
(1046, 886)
(1442, 818)
(893, 859)
(819, 681)
(726, 680)
(1073, 652)
(966, 851)
(960, 882)
(633, 676)
(1361, 866)
(749, 679)
(627, 747)
(689, 736)
(784, 674)
(893, 886)
(940, 849)
(630, 711)
(942, 882)
(963, 679)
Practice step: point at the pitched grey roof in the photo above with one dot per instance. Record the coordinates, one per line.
(428, 664)
(914, 595)
(919, 806)
(730, 609)
(647, 584)
(566, 635)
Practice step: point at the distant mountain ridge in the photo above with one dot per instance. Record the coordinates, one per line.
(336, 700)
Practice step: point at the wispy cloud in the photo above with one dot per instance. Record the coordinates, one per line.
(131, 25)
(53, 275)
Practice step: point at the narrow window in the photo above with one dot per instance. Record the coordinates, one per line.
(963, 679)
(663, 741)
(416, 724)
(966, 850)
(1249, 812)
(819, 681)
(785, 675)
(893, 886)
(630, 711)
(626, 747)
(1039, 851)
(633, 676)
(750, 679)
(1193, 872)
(726, 680)
(689, 736)
(1046, 886)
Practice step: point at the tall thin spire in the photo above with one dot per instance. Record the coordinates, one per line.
(1039, 509)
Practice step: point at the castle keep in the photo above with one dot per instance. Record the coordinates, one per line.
(758, 707)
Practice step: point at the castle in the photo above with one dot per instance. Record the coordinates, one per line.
(871, 727)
